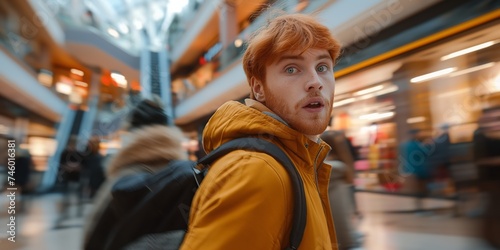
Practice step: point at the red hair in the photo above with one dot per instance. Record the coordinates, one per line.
(290, 32)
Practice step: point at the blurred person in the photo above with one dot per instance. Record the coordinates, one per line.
(340, 193)
(69, 176)
(92, 169)
(487, 159)
(414, 162)
(70, 162)
(245, 200)
(24, 167)
(149, 146)
(438, 159)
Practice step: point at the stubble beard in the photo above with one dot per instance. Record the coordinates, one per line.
(312, 126)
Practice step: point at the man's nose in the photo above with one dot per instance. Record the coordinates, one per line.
(314, 82)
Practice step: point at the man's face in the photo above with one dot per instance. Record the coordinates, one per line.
(300, 89)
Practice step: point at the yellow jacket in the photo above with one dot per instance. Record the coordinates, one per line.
(245, 201)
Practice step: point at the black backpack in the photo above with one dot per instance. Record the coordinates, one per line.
(151, 211)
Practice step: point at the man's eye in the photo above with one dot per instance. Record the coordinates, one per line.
(322, 68)
(291, 70)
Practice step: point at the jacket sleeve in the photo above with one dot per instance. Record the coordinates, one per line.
(244, 202)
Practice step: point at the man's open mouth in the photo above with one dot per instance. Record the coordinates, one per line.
(314, 103)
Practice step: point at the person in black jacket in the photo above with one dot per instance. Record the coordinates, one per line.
(70, 166)
(148, 147)
(24, 166)
(92, 170)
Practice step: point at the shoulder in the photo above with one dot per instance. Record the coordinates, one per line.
(255, 170)
(248, 161)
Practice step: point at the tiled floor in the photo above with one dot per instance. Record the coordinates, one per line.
(437, 230)
(37, 227)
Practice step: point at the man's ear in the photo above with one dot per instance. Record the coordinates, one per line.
(257, 89)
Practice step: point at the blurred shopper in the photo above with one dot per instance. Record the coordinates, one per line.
(92, 169)
(340, 192)
(438, 159)
(487, 158)
(245, 201)
(24, 167)
(149, 147)
(414, 162)
(70, 163)
(70, 166)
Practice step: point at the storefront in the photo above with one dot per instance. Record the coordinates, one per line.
(442, 87)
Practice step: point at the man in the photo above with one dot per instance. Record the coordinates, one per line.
(245, 201)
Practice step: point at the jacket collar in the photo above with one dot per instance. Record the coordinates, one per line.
(234, 120)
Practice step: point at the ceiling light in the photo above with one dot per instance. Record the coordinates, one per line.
(367, 96)
(377, 116)
(416, 119)
(390, 89)
(119, 79)
(369, 90)
(81, 84)
(63, 88)
(117, 76)
(468, 50)
(433, 75)
(343, 102)
(77, 72)
(113, 33)
(472, 69)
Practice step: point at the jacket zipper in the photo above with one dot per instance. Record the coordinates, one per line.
(316, 166)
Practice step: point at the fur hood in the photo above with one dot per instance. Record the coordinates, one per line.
(153, 146)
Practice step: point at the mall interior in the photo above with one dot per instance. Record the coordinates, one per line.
(409, 70)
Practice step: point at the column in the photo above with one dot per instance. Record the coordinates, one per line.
(145, 73)
(228, 27)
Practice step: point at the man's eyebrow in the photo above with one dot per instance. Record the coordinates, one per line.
(290, 57)
(299, 57)
(324, 56)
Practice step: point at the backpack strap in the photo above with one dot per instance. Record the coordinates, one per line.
(264, 146)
